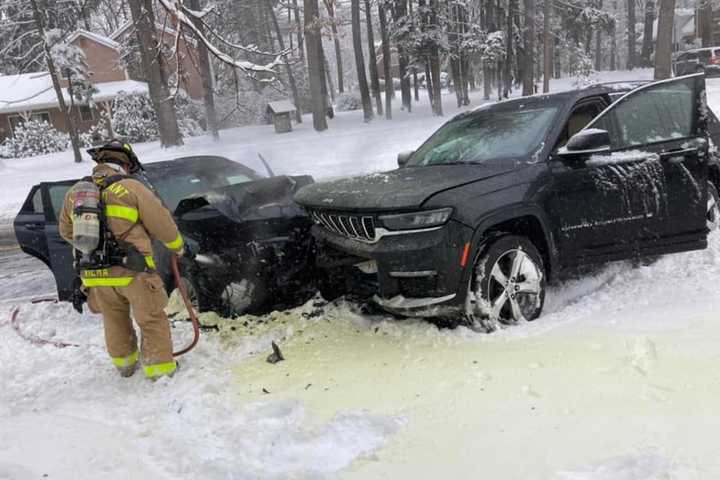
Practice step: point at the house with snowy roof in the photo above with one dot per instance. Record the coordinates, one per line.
(32, 96)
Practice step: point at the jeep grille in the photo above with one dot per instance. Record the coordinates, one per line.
(358, 227)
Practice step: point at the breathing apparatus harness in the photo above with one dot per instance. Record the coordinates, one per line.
(95, 246)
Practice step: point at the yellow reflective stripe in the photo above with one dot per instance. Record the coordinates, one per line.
(126, 361)
(159, 369)
(107, 282)
(150, 262)
(175, 244)
(118, 211)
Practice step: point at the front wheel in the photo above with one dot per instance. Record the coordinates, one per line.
(507, 283)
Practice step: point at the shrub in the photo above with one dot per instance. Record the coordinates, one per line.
(34, 138)
(134, 118)
(348, 101)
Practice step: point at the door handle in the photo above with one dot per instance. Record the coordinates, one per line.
(34, 226)
(676, 156)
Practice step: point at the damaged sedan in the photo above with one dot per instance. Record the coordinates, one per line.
(250, 243)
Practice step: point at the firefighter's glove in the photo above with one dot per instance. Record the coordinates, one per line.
(186, 252)
(78, 299)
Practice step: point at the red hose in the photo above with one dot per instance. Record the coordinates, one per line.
(186, 300)
(35, 340)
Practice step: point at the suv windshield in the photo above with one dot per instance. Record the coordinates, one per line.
(488, 135)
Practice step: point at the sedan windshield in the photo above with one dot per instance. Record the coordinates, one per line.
(485, 136)
(174, 187)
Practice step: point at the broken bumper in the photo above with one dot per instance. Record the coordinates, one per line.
(414, 273)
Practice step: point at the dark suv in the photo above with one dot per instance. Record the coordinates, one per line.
(698, 60)
(500, 199)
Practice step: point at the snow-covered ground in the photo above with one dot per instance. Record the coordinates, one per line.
(616, 381)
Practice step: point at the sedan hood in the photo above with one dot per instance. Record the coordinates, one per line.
(252, 211)
(398, 189)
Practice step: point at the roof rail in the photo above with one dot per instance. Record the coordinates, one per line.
(623, 82)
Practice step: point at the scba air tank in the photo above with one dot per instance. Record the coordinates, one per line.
(86, 218)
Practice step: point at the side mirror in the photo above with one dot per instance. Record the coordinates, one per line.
(403, 157)
(592, 140)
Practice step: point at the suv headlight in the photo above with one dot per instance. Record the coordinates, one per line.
(416, 220)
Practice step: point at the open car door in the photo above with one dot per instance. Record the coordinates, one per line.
(663, 126)
(60, 252)
(644, 164)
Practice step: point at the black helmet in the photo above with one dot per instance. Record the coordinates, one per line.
(119, 153)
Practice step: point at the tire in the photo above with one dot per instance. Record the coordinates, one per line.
(495, 295)
(712, 215)
(248, 295)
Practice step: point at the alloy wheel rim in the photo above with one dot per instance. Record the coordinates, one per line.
(712, 216)
(514, 287)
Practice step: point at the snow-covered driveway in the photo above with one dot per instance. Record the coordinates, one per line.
(618, 380)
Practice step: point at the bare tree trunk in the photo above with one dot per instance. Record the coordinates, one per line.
(406, 95)
(206, 75)
(372, 60)
(663, 50)
(454, 40)
(299, 26)
(613, 45)
(330, 7)
(288, 67)
(387, 70)
(631, 62)
(328, 78)
(647, 45)
(706, 23)
(509, 35)
(154, 69)
(435, 64)
(547, 46)
(72, 127)
(316, 69)
(529, 47)
(360, 60)
(429, 83)
(598, 41)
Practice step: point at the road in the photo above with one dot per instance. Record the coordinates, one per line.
(22, 276)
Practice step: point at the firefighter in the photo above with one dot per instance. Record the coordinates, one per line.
(133, 215)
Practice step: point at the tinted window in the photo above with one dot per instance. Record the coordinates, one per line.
(57, 197)
(656, 114)
(37, 203)
(487, 135)
(704, 56)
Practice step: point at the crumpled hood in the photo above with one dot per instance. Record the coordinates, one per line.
(397, 189)
(257, 200)
(252, 211)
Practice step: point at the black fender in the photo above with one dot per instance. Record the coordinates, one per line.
(485, 232)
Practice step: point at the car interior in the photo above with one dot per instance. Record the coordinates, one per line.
(580, 118)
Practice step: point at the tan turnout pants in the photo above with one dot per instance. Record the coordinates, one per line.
(146, 297)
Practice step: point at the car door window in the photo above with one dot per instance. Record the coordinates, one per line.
(57, 198)
(579, 119)
(658, 113)
(37, 203)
